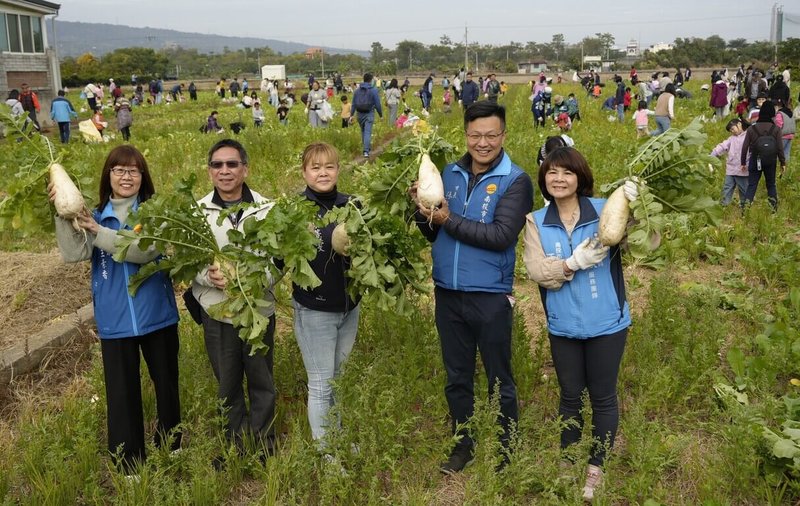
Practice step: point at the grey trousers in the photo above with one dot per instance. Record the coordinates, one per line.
(232, 363)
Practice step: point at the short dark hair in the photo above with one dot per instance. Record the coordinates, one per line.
(572, 159)
(228, 143)
(128, 156)
(61, 93)
(367, 77)
(484, 109)
(732, 123)
(669, 88)
(642, 104)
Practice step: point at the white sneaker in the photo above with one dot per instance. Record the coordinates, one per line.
(132, 478)
(594, 478)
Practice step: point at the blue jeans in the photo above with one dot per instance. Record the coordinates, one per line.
(365, 121)
(787, 146)
(731, 183)
(663, 123)
(620, 113)
(325, 341)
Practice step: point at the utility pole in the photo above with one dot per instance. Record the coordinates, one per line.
(466, 48)
(322, 58)
(409, 59)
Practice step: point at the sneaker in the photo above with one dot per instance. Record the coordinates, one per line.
(366, 154)
(132, 478)
(461, 457)
(594, 478)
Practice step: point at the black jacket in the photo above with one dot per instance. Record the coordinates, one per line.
(331, 296)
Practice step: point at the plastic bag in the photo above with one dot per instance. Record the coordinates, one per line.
(325, 112)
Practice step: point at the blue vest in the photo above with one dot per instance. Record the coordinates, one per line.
(461, 266)
(116, 312)
(593, 303)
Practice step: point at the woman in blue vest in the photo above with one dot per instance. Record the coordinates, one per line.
(583, 292)
(147, 321)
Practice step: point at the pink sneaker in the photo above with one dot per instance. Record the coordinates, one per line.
(594, 478)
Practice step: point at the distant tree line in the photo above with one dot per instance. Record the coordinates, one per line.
(412, 57)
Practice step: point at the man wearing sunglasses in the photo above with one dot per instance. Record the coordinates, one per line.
(474, 234)
(230, 357)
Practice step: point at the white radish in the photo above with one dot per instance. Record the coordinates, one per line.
(340, 240)
(430, 190)
(68, 198)
(614, 218)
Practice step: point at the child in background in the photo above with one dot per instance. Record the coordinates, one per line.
(596, 91)
(346, 115)
(735, 177)
(446, 99)
(258, 114)
(98, 120)
(742, 105)
(626, 99)
(752, 117)
(640, 117)
(283, 112)
(572, 107)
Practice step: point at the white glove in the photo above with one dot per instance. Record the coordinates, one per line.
(586, 255)
(630, 190)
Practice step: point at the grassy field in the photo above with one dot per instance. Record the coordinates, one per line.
(706, 372)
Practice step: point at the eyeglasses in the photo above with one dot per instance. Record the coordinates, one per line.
(130, 171)
(231, 164)
(476, 137)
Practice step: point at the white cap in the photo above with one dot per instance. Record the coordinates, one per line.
(548, 89)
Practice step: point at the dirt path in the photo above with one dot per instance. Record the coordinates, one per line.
(36, 288)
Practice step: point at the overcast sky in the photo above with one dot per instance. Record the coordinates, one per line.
(348, 25)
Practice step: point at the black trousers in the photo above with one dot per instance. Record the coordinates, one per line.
(476, 321)
(589, 364)
(231, 361)
(124, 392)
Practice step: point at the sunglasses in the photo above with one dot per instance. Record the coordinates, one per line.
(231, 164)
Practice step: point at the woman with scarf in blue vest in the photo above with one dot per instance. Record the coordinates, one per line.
(128, 325)
(583, 292)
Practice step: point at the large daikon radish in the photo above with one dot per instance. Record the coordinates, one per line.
(614, 218)
(68, 200)
(340, 240)
(430, 190)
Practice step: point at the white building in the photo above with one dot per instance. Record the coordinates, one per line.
(661, 46)
(632, 49)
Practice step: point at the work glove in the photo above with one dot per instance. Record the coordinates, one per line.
(630, 190)
(588, 254)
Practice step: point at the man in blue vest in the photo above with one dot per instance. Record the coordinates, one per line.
(474, 234)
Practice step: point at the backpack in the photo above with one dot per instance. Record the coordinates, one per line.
(362, 99)
(789, 126)
(766, 147)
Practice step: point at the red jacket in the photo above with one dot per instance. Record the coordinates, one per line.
(29, 100)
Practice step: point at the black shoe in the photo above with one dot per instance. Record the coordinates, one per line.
(461, 457)
(218, 463)
(504, 462)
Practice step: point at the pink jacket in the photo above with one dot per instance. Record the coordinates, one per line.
(778, 120)
(733, 146)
